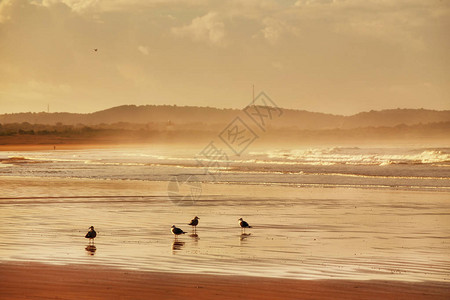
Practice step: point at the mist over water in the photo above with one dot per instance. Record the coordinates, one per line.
(353, 213)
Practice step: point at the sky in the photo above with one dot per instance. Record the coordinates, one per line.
(333, 56)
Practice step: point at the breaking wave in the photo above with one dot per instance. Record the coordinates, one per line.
(356, 156)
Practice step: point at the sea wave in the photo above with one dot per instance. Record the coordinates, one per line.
(354, 156)
(339, 166)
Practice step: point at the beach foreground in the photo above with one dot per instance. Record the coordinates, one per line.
(41, 281)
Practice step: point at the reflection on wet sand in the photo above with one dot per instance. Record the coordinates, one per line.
(244, 236)
(194, 236)
(177, 245)
(90, 249)
(404, 238)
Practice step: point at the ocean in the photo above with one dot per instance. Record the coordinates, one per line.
(317, 213)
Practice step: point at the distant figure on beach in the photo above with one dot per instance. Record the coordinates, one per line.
(194, 223)
(243, 224)
(177, 231)
(91, 234)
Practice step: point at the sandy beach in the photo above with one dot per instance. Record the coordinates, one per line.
(314, 236)
(40, 281)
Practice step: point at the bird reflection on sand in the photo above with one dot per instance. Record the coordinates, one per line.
(194, 236)
(90, 249)
(177, 245)
(244, 236)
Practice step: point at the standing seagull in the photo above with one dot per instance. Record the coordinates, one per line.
(177, 231)
(91, 234)
(194, 222)
(243, 224)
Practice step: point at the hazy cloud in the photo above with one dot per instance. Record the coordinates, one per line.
(274, 29)
(76, 5)
(143, 50)
(340, 56)
(205, 28)
(313, 2)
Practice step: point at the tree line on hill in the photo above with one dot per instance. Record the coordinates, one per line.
(208, 116)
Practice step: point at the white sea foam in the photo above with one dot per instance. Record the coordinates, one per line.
(337, 155)
(337, 166)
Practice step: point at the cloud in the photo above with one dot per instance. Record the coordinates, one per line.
(10, 9)
(274, 29)
(208, 28)
(143, 50)
(313, 2)
(79, 6)
(153, 50)
(277, 65)
(83, 6)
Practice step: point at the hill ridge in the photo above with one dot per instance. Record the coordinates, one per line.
(292, 118)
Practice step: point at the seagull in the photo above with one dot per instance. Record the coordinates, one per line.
(91, 234)
(194, 222)
(177, 231)
(243, 224)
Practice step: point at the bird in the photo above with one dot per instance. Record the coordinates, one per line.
(243, 224)
(177, 231)
(91, 234)
(194, 222)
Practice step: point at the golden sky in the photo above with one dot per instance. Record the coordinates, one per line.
(335, 56)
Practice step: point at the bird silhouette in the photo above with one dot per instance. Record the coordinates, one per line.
(243, 224)
(194, 223)
(177, 231)
(91, 234)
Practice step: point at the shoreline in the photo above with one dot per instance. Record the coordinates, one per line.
(67, 146)
(36, 281)
(196, 146)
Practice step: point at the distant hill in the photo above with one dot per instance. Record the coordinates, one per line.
(394, 117)
(295, 119)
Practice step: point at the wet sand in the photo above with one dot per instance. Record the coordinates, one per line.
(44, 220)
(40, 281)
(306, 242)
